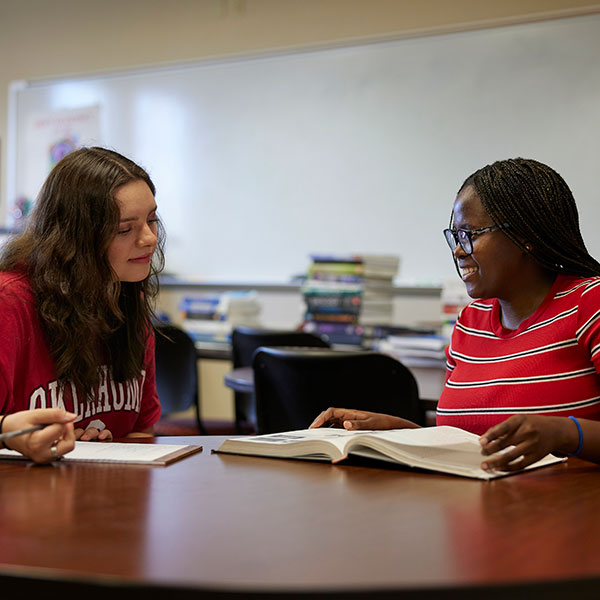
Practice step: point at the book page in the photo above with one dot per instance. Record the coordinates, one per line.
(442, 436)
(336, 437)
(447, 449)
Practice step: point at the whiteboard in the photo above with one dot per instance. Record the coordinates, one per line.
(259, 161)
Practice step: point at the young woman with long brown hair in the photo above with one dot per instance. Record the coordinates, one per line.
(76, 290)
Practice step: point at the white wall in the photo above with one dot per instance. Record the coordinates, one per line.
(41, 38)
(260, 162)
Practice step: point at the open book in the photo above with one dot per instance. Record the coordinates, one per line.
(444, 449)
(115, 452)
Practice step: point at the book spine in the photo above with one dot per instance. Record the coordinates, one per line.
(337, 333)
(336, 258)
(332, 317)
(336, 268)
(338, 302)
(325, 277)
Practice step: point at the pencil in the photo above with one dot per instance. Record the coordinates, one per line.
(17, 432)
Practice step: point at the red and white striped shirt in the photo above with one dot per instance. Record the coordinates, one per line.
(549, 365)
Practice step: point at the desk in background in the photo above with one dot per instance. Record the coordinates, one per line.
(281, 306)
(222, 526)
(430, 379)
(242, 380)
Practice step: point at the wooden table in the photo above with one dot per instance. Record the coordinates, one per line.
(216, 526)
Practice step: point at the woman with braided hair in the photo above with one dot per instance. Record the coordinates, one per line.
(524, 359)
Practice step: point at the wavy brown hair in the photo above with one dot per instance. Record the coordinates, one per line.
(89, 317)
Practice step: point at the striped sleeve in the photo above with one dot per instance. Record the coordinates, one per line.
(588, 322)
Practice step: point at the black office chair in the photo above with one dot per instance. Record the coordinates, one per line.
(176, 372)
(292, 386)
(244, 342)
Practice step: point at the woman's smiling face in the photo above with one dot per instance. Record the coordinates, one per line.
(493, 269)
(131, 250)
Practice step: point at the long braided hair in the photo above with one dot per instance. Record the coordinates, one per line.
(540, 210)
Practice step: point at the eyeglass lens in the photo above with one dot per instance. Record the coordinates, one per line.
(461, 237)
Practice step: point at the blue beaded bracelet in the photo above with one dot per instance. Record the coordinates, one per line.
(580, 438)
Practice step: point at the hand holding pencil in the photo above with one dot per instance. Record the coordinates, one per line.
(43, 435)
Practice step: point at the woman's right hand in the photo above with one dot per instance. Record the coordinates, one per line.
(58, 433)
(359, 419)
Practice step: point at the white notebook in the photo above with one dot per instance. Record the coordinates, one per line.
(116, 452)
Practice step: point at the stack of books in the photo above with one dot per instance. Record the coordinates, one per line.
(346, 293)
(366, 336)
(210, 318)
(200, 320)
(421, 350)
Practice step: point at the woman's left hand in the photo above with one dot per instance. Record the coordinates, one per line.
(92, 434)
(533, 437)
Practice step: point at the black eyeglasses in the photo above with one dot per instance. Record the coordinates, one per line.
(464, 237)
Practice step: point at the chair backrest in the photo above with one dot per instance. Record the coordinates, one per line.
(292, 386)
(176, 374)
(245, 341)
